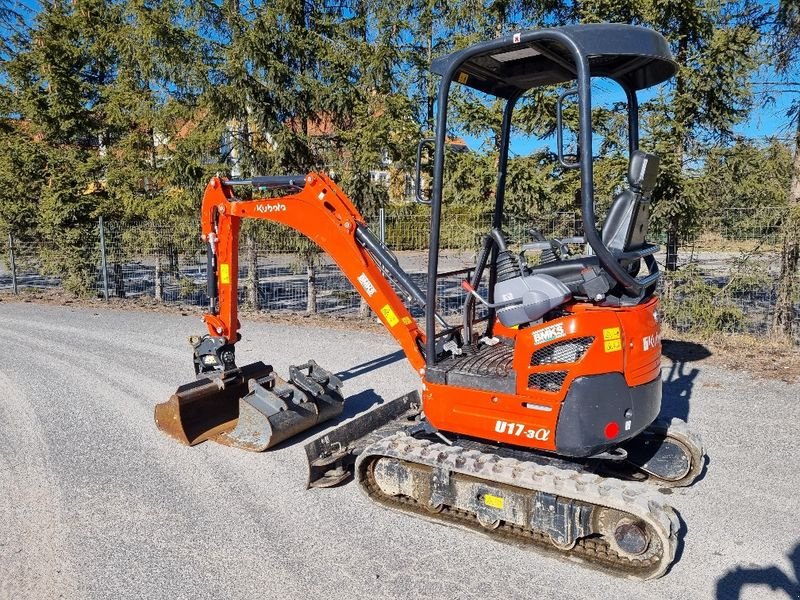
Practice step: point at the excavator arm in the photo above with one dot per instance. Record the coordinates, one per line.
(322, 212)
(251, 407)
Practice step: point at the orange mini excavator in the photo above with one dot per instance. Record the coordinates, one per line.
(542, 427)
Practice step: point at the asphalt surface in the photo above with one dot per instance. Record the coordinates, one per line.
(96, 503)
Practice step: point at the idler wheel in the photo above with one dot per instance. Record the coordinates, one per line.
(630, 537)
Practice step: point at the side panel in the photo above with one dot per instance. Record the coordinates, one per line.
(492, 416)
(593, 358)
(643, 355)
(583, 343)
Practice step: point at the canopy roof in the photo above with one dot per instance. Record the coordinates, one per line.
(507, 66)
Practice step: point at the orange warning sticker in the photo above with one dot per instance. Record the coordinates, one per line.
(462, 78)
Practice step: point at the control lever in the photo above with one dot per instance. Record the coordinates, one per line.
(465, 284)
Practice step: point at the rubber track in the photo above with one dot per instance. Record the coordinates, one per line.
(629, 497)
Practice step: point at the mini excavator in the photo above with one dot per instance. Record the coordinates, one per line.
(537, 423)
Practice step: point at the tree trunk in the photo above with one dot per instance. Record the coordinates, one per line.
(674, 221)
(174, 262)
(672, 244)
(252, 273)
(311, 305)
(119, 280)
(789, 280)
(680, 136)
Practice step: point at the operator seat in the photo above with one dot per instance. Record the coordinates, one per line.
(625, 227)
(624, 230)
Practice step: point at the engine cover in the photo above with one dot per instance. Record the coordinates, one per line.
(539, 294)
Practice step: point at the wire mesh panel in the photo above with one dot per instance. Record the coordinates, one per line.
(727, 277)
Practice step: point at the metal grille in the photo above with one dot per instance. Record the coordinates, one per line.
(568, 351)
(550, 381)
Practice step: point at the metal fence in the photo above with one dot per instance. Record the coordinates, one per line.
(727, 276)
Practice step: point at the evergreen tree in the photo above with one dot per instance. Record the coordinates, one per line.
(715, 47)
(787, 35)
(101, 91)
(56, 83)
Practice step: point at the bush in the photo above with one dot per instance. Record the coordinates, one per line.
(694, 304)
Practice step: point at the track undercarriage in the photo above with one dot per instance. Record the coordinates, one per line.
(598, 511)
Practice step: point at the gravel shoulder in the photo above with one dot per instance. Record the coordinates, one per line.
(97, 503)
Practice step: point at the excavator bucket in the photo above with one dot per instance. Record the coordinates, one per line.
(331, 457)
(251, 407)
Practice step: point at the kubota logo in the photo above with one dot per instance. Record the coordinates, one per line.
(271, 208)
(651, 341)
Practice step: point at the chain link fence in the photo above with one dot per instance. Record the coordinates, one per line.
(726, 281)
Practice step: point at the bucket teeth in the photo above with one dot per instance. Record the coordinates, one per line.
(250, 407)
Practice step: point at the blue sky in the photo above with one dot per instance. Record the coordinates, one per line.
(770, 120)
(768, 117)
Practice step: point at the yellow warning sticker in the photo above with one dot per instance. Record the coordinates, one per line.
(613, 345)
(224, 273)
(612, 333)
(406, 320)
(493, 501)
(462, 78)
(389, 315)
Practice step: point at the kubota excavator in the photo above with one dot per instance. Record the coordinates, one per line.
(543, 427)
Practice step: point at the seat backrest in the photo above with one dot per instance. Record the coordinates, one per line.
(625, 227)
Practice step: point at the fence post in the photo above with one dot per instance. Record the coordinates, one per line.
(159, 279)
(103, 264)
(382, 224)
(13, 263)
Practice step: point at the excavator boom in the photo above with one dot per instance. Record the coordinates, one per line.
(322, 212)
(252, 407)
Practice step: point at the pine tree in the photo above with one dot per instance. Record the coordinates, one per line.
(787, 35)
(55, 83)
(715, 47)
(102, 90)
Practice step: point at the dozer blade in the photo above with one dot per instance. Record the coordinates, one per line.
(251, 407)
(331, 457)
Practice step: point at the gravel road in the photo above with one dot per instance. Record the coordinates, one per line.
(96, 503)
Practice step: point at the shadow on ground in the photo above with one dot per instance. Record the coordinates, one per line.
(678, 385)
(731, 585)
(371, 365)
